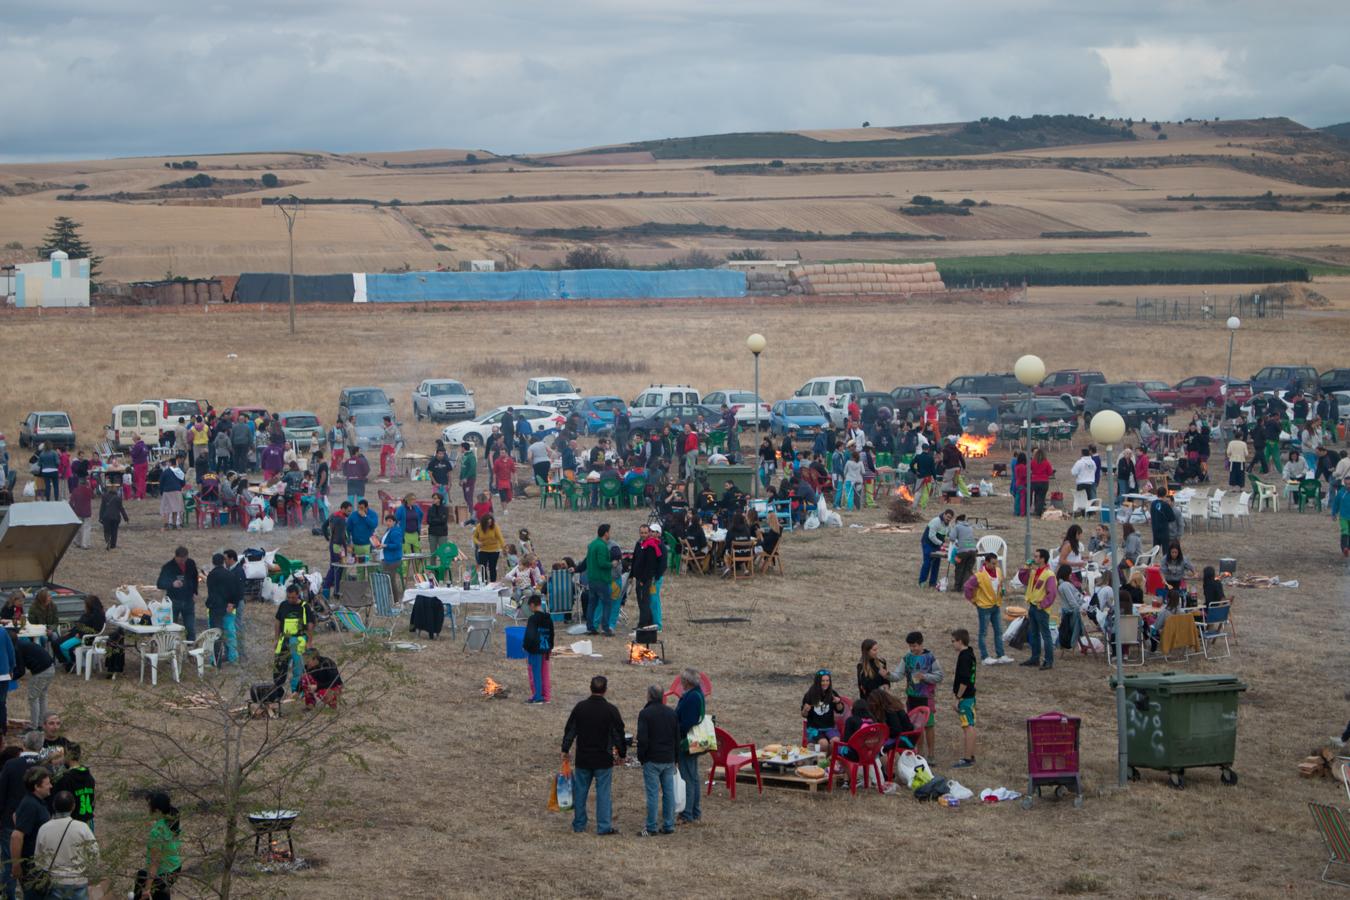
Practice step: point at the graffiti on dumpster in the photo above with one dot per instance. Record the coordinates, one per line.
(1144, 719)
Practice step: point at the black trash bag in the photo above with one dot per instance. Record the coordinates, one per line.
(932, 790)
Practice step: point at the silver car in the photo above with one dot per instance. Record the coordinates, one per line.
(443, 399)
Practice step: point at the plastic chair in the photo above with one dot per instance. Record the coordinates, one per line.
(992, 543)
(918, 717)
(1214, 507)
(1309, 491)
(287, 567)
(610, 491)
(676, 688)
(478, 632)
(635, 491)
(203, 649)
(1334, 826)
(548, 490)
(866, 745)
(732, 757)
(571, 492)
(1129, 637)
(95, 651)
(387, 503)
(1242, 512)
(442, 560)
(164, 645)
(1212, 628)
(208, 514)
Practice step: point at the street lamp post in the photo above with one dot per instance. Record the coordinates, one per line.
(1233, 323)
(290, 215)
(756, 343)
(1107, 427)
(1029, 371)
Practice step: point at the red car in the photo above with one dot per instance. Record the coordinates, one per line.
(1161, 392)
(1205, 390)
(1069, 383)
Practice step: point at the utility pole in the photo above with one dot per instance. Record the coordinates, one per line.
(290, 214)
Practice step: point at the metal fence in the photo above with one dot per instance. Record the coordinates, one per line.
(1247, 307)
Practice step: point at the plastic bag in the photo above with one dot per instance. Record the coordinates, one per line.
(959, 791)
(679, 793)
(127, 595)
(270, 590)
(254, 569)
(161, 612)
(29, 489)
(267, 524)
(563, 786)
(908, 763)
(811, 523)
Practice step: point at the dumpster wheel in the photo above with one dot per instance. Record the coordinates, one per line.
(1177, 779)
(1227, 776)
(1134, 774)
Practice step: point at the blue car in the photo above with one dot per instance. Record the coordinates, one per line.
(803, 415)
(598, 413)
(977, 414)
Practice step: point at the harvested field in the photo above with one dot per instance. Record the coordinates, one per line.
(830, 598)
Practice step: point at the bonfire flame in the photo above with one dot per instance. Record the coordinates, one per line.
(637, 653)
(277, 853)
(491, 688)
(903, 493)
(975, 446)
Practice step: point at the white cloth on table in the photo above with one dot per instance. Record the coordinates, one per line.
(454, 596)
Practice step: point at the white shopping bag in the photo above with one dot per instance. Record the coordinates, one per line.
(679, 793)
(29, 490)
(908, 763)
(128, 596)
(254, 568)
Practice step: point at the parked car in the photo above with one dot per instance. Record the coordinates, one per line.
(543, 420)
(1207, 391)
(1042, 411)
(659, 395)
(804, 415)
(51, 427)
(597, 414)
(683, 413)
(303, 429)
(1162, 393)
(1129, 399)
(130, 421)
(173, 408)
(368, 399)
(249, 412)
(741, 403)
(996, 387)
(1279, 378)
(1333, 380)
(442, 399)
(980, 413)
(831, 393)
(1070, 383)
(552, 391)
(876, 398)
(911, 398)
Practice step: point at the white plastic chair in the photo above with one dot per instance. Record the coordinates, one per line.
(1080, 503)
(1129, 637)
(1214, 509)
(1150, 558)
(164, 645)
(992, 543)
(203, 649)
(88, 654)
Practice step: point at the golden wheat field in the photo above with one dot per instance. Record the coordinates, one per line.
(456, 800)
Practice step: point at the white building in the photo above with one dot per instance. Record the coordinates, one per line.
(60, 281)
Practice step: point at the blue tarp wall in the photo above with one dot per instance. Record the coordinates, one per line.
(579, 284)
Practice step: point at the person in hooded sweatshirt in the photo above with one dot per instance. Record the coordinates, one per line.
(648, 565)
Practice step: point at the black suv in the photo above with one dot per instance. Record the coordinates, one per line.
(1130, 400)
(1334, 380)
(996, 387)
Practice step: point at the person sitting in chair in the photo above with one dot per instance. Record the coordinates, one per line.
(321, 682)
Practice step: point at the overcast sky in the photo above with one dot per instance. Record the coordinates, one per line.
(93, 78)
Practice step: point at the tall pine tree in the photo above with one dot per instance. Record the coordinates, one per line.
(65, 235)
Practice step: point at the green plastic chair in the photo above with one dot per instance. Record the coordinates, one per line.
(572, 492)
(635, 491)
(288, 568)
(716, 440)
(884, 459)
(1309, 491)
(672, 545)
(610, 489)
(547, 490)
(441, 561)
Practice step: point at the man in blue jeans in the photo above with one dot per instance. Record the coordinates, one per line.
(930, 542)
(599, 582)
(658, 734)
(690, 711)
(596, 727)
(1042, 591)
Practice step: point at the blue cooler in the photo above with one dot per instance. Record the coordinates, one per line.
(515, 642)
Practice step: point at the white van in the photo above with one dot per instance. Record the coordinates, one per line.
(553, 391)
(831, 393)
(646, 404)
(133, 420)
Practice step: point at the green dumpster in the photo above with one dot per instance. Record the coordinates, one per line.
(1176, 722)
(741, 476)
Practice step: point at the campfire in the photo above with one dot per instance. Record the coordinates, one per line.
(273, 854)
(643, 655)
(493, 689)
(975, 446)
(904, 493)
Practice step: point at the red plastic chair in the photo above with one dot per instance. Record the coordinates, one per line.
(918, 717)
(208, 514)
(676, 688)
(867, 744)
(242, 514)
(730, 757)
(838, 717)
(387, 504)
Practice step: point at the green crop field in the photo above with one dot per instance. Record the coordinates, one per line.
(1157, 267)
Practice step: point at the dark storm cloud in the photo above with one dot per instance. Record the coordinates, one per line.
(91, 78)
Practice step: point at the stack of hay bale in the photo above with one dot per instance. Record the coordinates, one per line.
(868, 278)
(766, 282)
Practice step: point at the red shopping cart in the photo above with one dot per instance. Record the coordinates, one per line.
(1052, 756)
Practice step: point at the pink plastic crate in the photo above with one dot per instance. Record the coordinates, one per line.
(1052, 745)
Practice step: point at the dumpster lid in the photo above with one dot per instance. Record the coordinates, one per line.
(33, 538)
(1177, 683)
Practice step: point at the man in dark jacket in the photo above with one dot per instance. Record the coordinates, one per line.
(178, 581)
(438, 523)
(648, 565)
(223, 593)
(439, 471)
(658, 736)
(689, 712)
(509, 431)
(356, 469)
(235, 567)
(596, 727)
(241, 440)
(538, 644)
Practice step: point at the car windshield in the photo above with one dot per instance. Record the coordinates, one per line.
(607, 404)
(444, 388)
(975, 404)
(741, 397)
(801, 409)
(54, 420)
(182, 408)
(302, 421)
(367, 398)
(1157, 386)
(369, 419)
(1129, 393)
(848, 386)
(554, 386)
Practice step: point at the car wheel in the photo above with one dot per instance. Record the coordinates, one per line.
(475, 438)
(1209, 403)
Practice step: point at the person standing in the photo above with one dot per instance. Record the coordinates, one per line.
(438, 521)
(599, 582)
(689, 711)
(1340, 511)
(648, 565)
(1042, 591)
(163, 851)
(79, 782)
(339, 545)
(29, 818)
(468, 474)
(224, 594)
(439, 469)
(361, 526)
(293, 632)
(1237, 462)
(409, 517)
(930, 542)
(596, 727)
(321, 479)
(962, 537)
(984, 590)
(1084, 473)
(178, 580)
(31, 661)
(489, 544)
(503, 473)
(538, 644)
(509, 431)
(963, 685)
(391, 552)
(49, 470)
(356, 469)
(241, 442)
(172, 480)
(82, 502)
(388, 443)
(66, 850)
(222, 451)
(1041, 473)
(1161, 518)
(658, 735)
